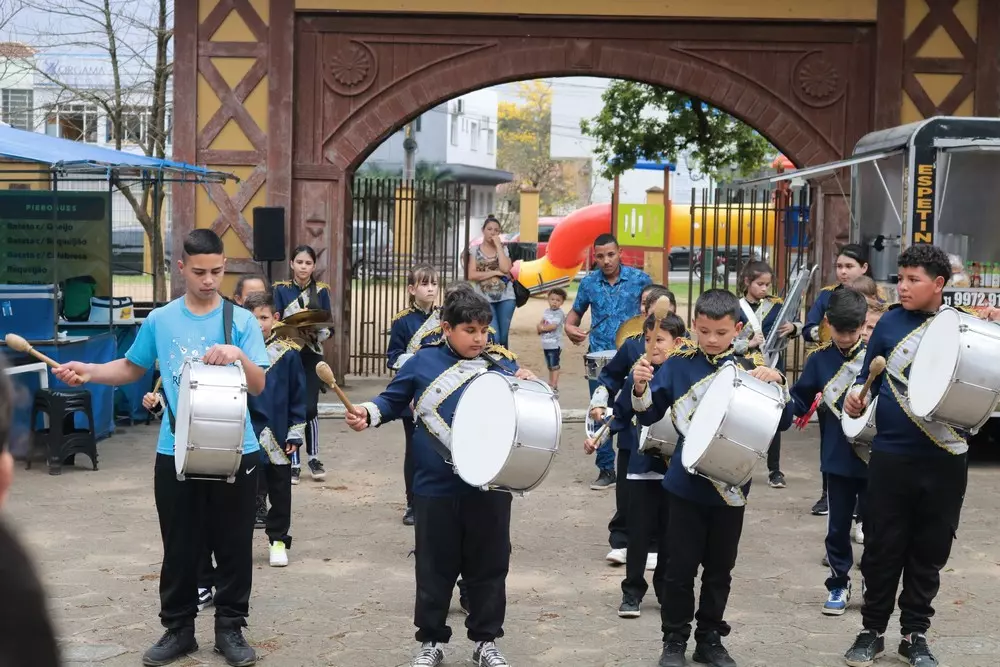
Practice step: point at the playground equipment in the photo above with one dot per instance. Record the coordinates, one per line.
(566, 251)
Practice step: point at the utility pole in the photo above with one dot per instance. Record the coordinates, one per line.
(410, 152)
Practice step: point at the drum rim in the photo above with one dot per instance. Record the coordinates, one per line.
(864, 418)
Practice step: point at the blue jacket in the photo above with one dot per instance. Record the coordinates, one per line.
(638, 464)
(430, 369)
(686, 367)
(410, 327)
(814, 319)
(896, 337)
(278, 413)
(831, 370)
(289, 299)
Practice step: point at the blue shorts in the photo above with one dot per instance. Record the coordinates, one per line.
(552, 358)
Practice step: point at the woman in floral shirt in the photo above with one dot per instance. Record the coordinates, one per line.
(489, 268)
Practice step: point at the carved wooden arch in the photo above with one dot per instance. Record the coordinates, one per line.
(803, 94)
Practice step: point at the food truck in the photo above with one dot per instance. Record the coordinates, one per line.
(934, 181)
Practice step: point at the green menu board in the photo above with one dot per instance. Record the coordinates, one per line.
(37, 247)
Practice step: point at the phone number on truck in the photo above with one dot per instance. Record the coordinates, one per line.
(972, 299)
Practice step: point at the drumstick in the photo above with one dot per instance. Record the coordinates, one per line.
(325, 374)
(874, 370)
(660, 311)
(17, 343)
(159, 383)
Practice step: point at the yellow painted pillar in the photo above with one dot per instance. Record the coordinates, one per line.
(402, 233)
(653, 260)
(529, 214)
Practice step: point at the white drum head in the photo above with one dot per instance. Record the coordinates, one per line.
(708, 416)
(483, 429)
(606, 355)
(934, 363)
(182, 419)
(853, 427)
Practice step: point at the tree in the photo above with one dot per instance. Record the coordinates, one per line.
(640, 121)
(524, 132)
(134, 39)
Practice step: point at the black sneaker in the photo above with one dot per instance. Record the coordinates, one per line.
(673, 654)
(234, 648)
(821, 508)
(488, 655)
(260, 521)
(204, 598)
(868, 646)
(776, 480)
(173, 645)
(317, 470)
(606, 480)
(629, 607)
(913, 648)
(408, 519)
(296, 472)
(710, 651)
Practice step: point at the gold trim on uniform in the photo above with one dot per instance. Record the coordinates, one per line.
(438, 391)
(275, 452)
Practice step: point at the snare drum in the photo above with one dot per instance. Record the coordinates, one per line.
(592, 426)
(955, 375)
(660, 439)
(595, 361)
(505, 432)
(210, 422)
(861, 431)
(732, 428)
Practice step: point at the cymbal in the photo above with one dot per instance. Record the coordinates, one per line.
(286, 332)
(309, 318)
(629, 328)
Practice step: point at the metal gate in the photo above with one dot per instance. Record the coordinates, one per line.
(396, 225)
(732, 227)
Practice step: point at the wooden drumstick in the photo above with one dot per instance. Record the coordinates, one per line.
(325, 374)
(660, 311)
(159, 383)
(875, 369)
(17, 343)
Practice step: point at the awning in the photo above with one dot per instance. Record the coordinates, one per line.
(822, 169)
(472, 175)
(81, 158)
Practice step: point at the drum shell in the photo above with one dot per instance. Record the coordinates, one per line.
(538, 427)
(594, 362)
(661, 439)
(861, 430)
(210, 420)
(971, 393)
(750, 422)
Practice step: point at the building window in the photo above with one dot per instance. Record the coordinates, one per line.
(76, 122)
(453, 131)
(489, 202)
(136, 125)
(474, 132)
(17, 107)
(491, 141)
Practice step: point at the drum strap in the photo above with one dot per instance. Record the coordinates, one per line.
(753, 319)
(899, 360)
(429, 325)
(437, 392)
(841, 381)
(227, 332)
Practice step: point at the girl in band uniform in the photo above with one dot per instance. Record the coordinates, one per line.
(290, 297)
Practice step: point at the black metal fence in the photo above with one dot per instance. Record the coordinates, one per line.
(732, 227)
(398, 224)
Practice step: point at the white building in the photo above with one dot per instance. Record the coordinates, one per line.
(578, 98)
(458, 139)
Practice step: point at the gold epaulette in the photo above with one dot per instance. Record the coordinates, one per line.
(776, 299)
(496, 348)
(435, 330)
(281, 283)
(821, 346)
(320, 286)
(756, 357)
(492, 330)
(402, 313)
(638, 336)
(684, 348)
(439, 341)
(968, 311)
(830, 288)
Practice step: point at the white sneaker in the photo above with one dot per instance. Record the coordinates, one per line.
(279, 555)
(859, 534)
(488, 655)
(204, 598)
(429, 655)
(651, 562)
(617, 556)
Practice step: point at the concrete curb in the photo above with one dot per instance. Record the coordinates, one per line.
(337, 410)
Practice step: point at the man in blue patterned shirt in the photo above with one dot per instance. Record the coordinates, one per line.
(612, 293)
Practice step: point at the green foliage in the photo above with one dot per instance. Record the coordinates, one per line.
(640, 121)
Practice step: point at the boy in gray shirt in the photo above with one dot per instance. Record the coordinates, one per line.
(551, 330)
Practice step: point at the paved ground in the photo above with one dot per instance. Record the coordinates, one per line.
(346, 599)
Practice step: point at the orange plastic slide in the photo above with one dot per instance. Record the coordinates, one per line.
(566, 251)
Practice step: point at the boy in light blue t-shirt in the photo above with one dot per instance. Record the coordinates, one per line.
(191, 327)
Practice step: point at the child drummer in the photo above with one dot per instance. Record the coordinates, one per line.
(460, 530)
(706, 517)
(609, 383)
(916, 475)
(829, 371)
(648, 509)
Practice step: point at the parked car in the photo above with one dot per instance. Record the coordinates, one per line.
(369, 241)
(128, 249)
